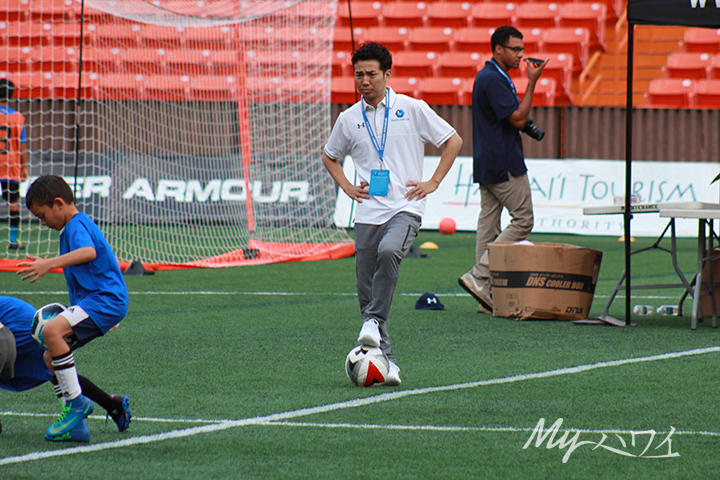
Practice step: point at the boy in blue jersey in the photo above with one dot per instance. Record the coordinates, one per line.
(98, 295)
(22, 366)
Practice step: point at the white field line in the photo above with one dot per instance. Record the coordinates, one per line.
(324, 294)
(384, 397)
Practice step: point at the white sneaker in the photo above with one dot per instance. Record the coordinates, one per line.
(393, 376)
(369, 333)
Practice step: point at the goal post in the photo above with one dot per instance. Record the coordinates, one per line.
(191, 131)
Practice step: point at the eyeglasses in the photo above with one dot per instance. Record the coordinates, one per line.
(514, 49)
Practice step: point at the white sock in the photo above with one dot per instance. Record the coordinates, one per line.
(66, 374)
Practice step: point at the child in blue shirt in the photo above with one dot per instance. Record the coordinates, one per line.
(98, 295)
(22, 366)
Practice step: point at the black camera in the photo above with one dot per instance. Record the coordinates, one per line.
(532, 131)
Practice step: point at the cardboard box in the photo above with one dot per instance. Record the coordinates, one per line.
(543, 280)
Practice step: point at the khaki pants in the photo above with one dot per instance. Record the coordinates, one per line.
(514, 195)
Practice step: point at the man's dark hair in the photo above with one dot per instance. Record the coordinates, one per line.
(7, 89)
(45, 189)
(502, 35)
(373, 51)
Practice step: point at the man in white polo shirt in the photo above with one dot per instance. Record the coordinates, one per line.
(385, 134)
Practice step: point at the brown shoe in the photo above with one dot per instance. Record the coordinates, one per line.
(479, 289)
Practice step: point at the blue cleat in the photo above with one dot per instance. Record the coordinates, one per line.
(121, 415)
(79, 434)
(74, 412)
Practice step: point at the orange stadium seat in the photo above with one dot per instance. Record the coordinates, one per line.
(33, 84)
(614, 8)
(707, 94)
(26, 34)
(121, 86)
(220, 88)
(405, 85)
(143, 61)
(467, 91)
(394, 38)
(156, 36)
(103, 60)
(691, 65)
(493, 14)
(473, 40)
(592, 16)
(441, 90)
(544, 94)
(341, 64)
(14, 11)
(449, 14)
(405, 14)
(55, 59)
(574, 41)
(704, 40)
(65, 85)
(461, 64)
(715, 67)
(342, 90)
(214, 38)
(117, 35)
(537, 15)
(168, 87)
(364, 14)
(68, 34)
(431, 39)
(670, 93)
(343, 38)
(188, 62)
(15, 59)
(414, 64)
(560, 68)
(533, 40)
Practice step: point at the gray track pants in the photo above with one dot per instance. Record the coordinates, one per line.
(379, 249)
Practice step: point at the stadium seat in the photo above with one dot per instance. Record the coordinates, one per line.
(224, 62)
(493, 14)
(449, 14)
(143, 61)
(533, 40)
(188, 62)
(707, 94)
(157, 36)
(592, 16)
(65, 85)
(121, 87)
(394, 38)
(414, 64)
(670, 93)
(715, 67)
(560, 68)
(703, 40)
(461, 64)
(53, 10)
(55, 59)
(544, 94)
(15, 59)
(342, 90)
(14, 11)
(431, 39)
(405, 85)
(691, 65)
(103, 60)
(473, 40)
(26, 34)
(404, 14)
(214, 38)
(341, 64)
(117, 35)
(614, 8)
(216, 87)
(574, 41)
(441, 90)
(536, 15)
(168, 87)
(364, 14)
(467, 91)
(343, 38)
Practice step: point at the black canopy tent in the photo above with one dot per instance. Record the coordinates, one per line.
(690, 13)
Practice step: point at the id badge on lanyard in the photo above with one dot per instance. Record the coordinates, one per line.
(379, 178)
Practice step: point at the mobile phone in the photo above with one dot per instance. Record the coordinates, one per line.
(535, 61)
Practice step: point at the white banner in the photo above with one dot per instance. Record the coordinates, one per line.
(561, 188)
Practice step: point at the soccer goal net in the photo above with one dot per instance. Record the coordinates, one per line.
(190, 130)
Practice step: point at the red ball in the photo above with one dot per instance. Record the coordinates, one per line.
(447, 226)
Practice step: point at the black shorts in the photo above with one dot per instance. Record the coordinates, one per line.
(10, 190)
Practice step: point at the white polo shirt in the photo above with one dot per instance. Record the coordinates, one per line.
(411, 124)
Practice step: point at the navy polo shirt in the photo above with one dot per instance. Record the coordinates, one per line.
(497, 146)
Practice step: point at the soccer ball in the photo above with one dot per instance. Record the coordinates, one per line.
(366, 366)
(42, 317)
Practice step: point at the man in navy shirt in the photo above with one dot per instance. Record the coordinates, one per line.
(498, 161)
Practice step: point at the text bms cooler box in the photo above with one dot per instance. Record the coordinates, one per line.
(543, 280)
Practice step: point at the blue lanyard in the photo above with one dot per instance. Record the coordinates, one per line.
(379, 148)
(507, 77)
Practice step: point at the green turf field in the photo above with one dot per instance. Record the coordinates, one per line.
(238, 373)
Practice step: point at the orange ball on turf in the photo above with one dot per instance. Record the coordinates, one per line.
(447, 226)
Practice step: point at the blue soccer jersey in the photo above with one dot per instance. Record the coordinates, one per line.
(98, 286)
(30, 368)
